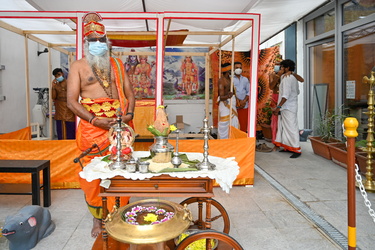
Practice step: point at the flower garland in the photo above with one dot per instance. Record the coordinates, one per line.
(152, 215)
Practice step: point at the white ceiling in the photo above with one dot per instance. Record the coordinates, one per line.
(275, 16)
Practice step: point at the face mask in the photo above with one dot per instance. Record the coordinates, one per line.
(97, 48)
(276, 68)
(60, 79)
(238, 71)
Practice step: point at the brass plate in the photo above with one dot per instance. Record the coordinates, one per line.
(148, 234)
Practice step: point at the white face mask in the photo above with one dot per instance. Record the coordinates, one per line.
(238, 71)
(97, 48)
(276, 68)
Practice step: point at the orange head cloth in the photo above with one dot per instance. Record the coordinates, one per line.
(225, 68)
(93, 28)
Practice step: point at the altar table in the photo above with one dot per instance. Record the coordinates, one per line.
(173, 184)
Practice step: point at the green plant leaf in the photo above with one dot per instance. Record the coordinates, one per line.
(106, 159)
(177, 170)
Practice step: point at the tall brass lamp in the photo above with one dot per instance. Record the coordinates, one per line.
(369, 183)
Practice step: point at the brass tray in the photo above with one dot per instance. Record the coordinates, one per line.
(122, 231)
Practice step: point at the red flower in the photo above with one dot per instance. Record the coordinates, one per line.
(114, 150)
(126, 150)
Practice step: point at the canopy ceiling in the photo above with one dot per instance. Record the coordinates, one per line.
(275, 16)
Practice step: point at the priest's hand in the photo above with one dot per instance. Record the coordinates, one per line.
(104, 123)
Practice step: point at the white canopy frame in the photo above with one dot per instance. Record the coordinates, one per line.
(252, 21)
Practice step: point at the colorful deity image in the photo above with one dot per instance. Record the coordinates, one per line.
(183, 75)
(140, 75)
(189, 71)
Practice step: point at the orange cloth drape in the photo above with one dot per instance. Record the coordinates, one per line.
(60, 152)
(144, 115)
(22, 134)
(236, 133)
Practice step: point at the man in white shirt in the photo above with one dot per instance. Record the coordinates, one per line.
(242, 91)
(288, 132)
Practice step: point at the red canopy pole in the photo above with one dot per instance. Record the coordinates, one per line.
(351, 125)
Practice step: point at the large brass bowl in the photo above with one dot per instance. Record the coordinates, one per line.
(122, 231)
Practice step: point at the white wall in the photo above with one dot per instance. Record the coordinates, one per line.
(13, 78)
(193, 112)
(13, 109)
(276, 40)
(299, 70)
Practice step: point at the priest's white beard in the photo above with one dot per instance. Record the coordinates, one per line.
(99, 62)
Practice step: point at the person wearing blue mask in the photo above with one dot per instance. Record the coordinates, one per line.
(64, 117)
(98, 87)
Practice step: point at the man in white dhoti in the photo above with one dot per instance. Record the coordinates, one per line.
(288, 132)
(227, 104)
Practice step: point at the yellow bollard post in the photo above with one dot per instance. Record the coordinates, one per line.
(351, 125)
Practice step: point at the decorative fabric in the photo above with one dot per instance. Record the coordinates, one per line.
(101, 107)
(92, 27)
(266, 64)
(225, 173)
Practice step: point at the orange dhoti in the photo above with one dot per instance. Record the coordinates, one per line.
(243, 117)
(87, 135)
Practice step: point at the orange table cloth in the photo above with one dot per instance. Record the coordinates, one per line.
(64, 172)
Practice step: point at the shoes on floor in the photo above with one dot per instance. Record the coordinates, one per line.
(295, 155)
(263, 148)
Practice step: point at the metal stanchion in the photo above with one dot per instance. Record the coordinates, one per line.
(351, 125)
(369, 183)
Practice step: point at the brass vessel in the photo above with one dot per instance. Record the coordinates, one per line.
(122, 231)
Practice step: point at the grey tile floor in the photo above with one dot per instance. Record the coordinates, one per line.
(261, 217)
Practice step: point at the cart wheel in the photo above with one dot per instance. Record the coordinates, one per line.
(210, 234)
(219, 216)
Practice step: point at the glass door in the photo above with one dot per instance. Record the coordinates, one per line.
(321, 80)
(358, 61)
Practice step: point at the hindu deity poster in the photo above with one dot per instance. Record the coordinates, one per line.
(183, 76)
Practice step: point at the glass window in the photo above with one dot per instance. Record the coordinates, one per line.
(358, 61)
(322, 79)
(321, 24)
(357, 9)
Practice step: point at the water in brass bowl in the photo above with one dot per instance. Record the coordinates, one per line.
(196, 245)
(142, 230)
